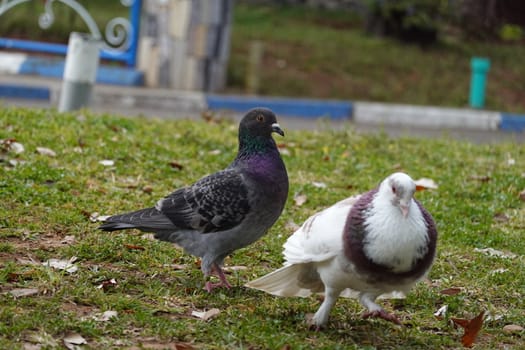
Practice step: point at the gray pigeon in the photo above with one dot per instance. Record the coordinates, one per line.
(376, 244)
(224, 211)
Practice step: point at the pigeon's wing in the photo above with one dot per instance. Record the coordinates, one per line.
(320, 237)
(216, 202)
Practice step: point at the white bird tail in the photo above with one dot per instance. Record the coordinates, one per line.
(287, 281)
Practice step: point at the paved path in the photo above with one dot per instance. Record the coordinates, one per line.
(130, 101)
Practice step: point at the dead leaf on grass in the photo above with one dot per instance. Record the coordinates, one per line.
(70, 239)
(480, 178)
(108, 284)
(450, 291)
(206, 315)
(300, 199)
(230, 269)
(96, 217)
(46, 151)
(176, 165)
(495, 252)
(471, 328)
(73, 340)
(41, 339)
(319, 184)
(105, 316)
(23, 292)
(12, 146)
(522, 195)
(512, 328)
(147, 189)
(441, 312)
(107, 162)
(134, 247)
(425, 184)
(66, 265)
(20, 276)
(501, 217)
(27, 262)
(176, 267)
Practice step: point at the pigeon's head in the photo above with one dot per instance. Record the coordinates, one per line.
(399, 189)
(259, 122)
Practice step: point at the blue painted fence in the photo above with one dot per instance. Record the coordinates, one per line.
(128, 56)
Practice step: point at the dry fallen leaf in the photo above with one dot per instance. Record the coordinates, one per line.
(40, 339)
(495, 252)
(107, 162)
(522, 195)
(425, 183)
(176, 267)
(206, 315)
(481, 178)
(11, 145)
(512, 328)
(96, 217)
(230, 269)
(46, 151)
(72, 340)
(23, 292)
(319, 184)
(501, 217)
(70, 239)
(66, 265)
(176, 165)
(134, 247)
(107, 284)
(105, 316)
(441, 312)
(300, 199)
(471, 328)
(450, 291)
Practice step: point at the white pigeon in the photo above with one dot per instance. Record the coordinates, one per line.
(375, 244)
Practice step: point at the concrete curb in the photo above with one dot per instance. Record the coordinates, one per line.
(182, 102)
(306, 108)
(430, 117)
(17, 63)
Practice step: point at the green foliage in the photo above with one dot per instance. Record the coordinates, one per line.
(326, 54)
(511, 32)
(45, 203)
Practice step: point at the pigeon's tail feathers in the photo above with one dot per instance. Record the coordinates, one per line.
(291, 280)
(115, 226)
(148, 220)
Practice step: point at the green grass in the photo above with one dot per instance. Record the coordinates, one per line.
(45, 199)
(326, 54)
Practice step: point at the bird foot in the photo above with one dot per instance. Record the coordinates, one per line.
(209, 286)
(312, 325)
(384, 315)
(217, 270)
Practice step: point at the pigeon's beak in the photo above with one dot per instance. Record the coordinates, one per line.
(277, 128)
(404, 209)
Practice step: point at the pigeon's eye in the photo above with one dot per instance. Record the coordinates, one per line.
(394, 189)
(260, 118)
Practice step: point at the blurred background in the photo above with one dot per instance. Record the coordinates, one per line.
(407, 51)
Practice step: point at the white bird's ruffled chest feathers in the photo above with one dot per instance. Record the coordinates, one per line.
(393, 240)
